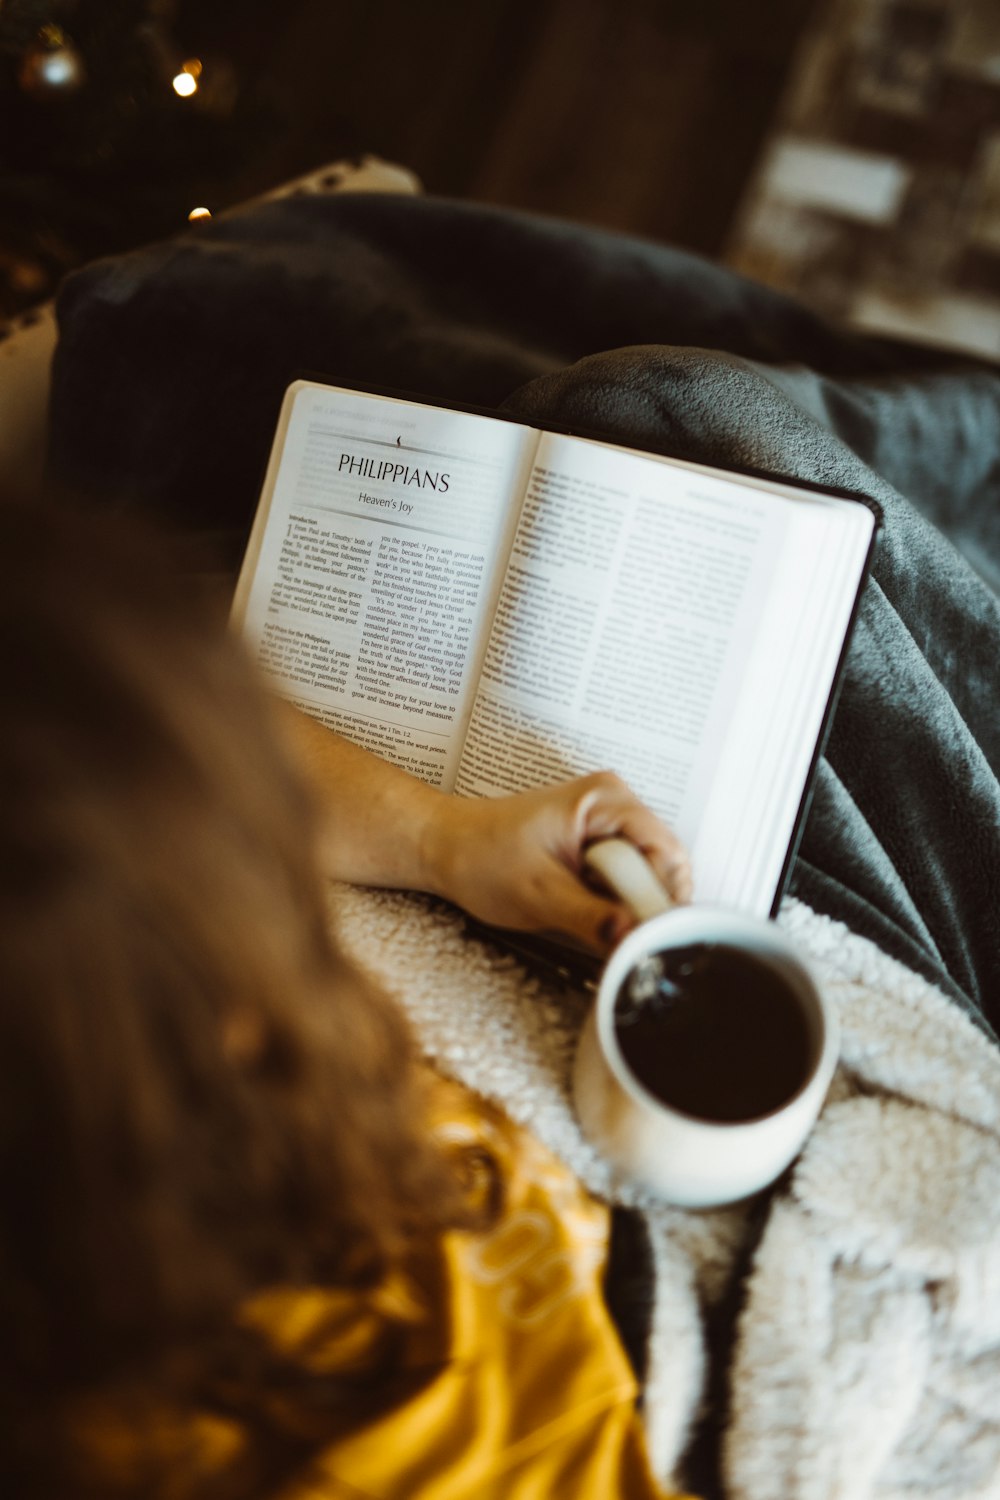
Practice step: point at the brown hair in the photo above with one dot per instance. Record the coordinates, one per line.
(197, 1098)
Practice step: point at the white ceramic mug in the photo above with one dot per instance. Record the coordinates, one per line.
(688, 1160)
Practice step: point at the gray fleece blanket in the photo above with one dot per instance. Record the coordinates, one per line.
(171, 364)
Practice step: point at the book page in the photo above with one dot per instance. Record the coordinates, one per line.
(374, 565)
(680, 628)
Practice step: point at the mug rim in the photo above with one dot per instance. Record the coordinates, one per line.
(638, 943)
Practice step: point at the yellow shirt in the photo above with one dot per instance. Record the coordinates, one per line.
(513, 1382)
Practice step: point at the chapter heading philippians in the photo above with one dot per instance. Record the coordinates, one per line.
(388, 472)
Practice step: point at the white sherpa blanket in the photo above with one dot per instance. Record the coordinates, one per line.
(867, 1361)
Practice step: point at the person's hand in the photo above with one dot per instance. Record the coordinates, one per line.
(518, 861)
(511, 861)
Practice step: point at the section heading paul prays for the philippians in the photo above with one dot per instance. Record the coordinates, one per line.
(496, 607)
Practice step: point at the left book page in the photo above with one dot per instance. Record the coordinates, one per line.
(374, 565)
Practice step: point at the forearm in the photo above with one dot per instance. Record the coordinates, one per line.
(377, 820)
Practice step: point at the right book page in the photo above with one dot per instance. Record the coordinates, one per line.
(682, 627)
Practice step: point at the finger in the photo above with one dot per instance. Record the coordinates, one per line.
(611, 809)
(665, 852)
(595, 920)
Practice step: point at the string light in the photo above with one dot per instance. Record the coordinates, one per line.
(185, 83)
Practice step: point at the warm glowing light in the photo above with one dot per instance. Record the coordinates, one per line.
(200, 213)
(186, 81)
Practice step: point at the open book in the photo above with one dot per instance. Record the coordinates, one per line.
(496, 607)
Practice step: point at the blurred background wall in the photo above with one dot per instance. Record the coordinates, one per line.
(848, 150)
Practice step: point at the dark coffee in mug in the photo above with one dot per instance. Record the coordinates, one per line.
(715, 1031)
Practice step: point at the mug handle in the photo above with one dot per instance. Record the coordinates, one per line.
(627, 872)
